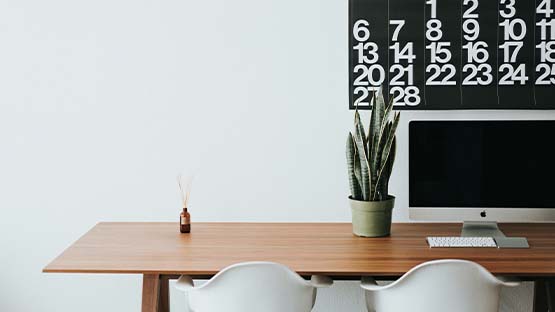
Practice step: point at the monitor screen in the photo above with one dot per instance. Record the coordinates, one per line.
(486, 164)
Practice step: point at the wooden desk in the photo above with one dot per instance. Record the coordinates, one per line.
(159, 252)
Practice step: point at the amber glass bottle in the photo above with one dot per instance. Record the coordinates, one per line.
(185, 221)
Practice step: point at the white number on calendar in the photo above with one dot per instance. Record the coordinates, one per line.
(406, 53)
(433, 31)
(510, 50)
(437, 49)
(396, 80)
(511, 74)
(436, 70)
(509, 10)
(433, 10)
(361, 31)
(369, 73)
(471, 29)
(547, 51)
(478, 74)
(361, 100)
(398, 26)
(405, 96)
(544, 25)
(545, 8)
(468, 13)
(514, 29)
(547, 74)
(371, 55)
(477, 52)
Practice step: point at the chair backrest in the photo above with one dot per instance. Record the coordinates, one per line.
(439, 286)
(256, 287)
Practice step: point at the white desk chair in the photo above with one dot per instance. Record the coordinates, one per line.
(254, 287)
(438, 286)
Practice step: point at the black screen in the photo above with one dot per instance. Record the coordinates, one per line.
(508, 164)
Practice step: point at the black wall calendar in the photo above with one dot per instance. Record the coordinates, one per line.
(453, 54)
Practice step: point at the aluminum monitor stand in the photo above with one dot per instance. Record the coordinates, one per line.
(490, 229)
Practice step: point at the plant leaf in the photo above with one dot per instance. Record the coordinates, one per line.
(352, 161)
(378, 110)
(378, 113)
(384, 185)
(384, 122)
(364, 167)
(377, 154)
(384, 128)
(372, 116)
(386, 152)
(369, 137)
(360, 129)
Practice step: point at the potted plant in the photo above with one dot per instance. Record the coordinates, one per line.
(370, 161)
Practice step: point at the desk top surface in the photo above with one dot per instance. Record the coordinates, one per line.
(308, 248)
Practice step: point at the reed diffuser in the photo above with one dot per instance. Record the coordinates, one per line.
(185, 192)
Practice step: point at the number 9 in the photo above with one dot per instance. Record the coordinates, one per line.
(471, 32)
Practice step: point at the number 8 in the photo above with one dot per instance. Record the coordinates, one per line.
(434, 26)
(412, 93)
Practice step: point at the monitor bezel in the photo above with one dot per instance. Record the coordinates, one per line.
(461, 214)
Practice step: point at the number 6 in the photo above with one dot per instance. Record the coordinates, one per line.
(357, 29)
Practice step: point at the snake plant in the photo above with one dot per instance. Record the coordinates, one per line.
(370, 156)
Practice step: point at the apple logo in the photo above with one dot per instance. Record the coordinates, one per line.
(483, 214)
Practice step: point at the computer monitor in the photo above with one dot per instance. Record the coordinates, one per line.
(482, 170)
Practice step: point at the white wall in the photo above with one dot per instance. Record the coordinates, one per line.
(103, 102)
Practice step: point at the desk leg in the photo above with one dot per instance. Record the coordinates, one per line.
(151, 292)
(550, 287)
(544, 295)
(164, 304)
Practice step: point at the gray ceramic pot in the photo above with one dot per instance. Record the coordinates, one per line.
(372, 218)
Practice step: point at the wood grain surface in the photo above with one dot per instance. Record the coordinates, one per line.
(151, 293)
(308, 248)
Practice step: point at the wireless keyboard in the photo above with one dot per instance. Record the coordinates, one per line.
(457, 241)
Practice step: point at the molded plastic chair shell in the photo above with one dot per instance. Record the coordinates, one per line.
(254, 287)
(438, 286)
